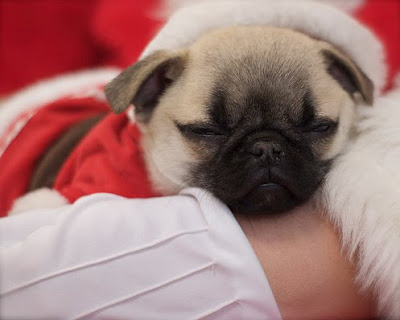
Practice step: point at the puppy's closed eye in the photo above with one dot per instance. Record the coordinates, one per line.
(200, 130)
(323, 127)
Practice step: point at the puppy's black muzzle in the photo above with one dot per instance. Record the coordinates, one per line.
(262, 172)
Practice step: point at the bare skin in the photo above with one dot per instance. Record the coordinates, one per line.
(309, 275)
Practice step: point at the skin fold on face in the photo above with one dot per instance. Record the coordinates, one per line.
(255, 115)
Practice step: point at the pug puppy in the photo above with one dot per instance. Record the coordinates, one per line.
(255, 115)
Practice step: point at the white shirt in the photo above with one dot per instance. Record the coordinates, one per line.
(108, 257)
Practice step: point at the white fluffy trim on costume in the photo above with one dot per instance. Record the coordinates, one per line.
(315, 19)
(46, 91)
(43, 198)
(347, 5)
(363, 196)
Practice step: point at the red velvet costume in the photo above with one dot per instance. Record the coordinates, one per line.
(108, 159)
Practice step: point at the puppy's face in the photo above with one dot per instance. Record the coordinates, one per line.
(253, 114)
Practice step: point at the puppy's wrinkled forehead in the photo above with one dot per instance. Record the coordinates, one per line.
(253, 68)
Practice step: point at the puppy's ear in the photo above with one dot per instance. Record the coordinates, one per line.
(348, 75)
(144, 82)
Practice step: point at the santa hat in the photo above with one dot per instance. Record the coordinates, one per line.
(318, 20)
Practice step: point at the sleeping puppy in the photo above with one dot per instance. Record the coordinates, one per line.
(255, 115)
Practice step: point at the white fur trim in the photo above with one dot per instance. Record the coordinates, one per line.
(316, 19)
(43, 198)
(363, 197)
(346, 5)
(41, 93)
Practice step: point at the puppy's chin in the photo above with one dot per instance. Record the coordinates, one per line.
(268, 198)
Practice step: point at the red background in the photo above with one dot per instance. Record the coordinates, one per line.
(41, 38)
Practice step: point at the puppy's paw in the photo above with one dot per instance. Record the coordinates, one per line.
(43, 198)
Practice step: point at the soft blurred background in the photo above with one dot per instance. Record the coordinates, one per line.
(42, 38)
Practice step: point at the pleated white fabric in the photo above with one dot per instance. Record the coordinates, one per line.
(108, 257)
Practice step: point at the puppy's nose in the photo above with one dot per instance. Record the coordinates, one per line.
(267, 150)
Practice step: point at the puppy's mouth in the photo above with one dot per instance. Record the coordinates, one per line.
(265, 198)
